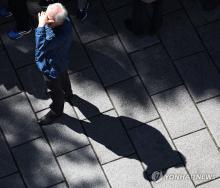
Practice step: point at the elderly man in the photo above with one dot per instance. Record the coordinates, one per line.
(54, 37)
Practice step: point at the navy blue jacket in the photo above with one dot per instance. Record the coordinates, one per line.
(52, 48)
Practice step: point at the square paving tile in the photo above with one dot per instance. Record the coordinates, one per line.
(66, 133)
(13, 181)
(38, 165)
(18, 121)
(110, 60)
(178, 111)
(210, 110)
(211, 38)
(198, 15)
(130, 41)
(156, 69)
(100, 131)
(132, 102)
(175, 177)
(153, 145)
(95, 26)
(201, 155)
(82, 169)
(178, 35)
(129, 173)
(87, 86)
(20, 51)
(7, 164)
(35, 87)
(200, 76)
(9, 84)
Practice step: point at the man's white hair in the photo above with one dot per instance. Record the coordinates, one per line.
(58, 12)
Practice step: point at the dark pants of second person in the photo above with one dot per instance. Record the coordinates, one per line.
(20, 11)
(58, 90)
(140, 22)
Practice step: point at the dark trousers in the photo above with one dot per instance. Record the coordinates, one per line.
(140, 21)
(20, 11)
(58, 90)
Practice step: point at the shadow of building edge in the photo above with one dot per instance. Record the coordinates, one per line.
(155, 169)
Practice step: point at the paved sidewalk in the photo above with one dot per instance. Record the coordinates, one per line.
(144, 103)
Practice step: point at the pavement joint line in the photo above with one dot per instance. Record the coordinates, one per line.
(209, 23)
(213, 64)
(210, 98)
(117, 8)
(189, 55)
(13, 157)
(121, 81)
(5, 176)
(121, 157)
(175, 138)
(93, 41)
(12, 95)
(207, 182)
(24, 66)
(26, 142)
(55, 184)
(65, 153)
(143, 124)
(81, 70)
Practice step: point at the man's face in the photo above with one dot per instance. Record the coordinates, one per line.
(51, 21)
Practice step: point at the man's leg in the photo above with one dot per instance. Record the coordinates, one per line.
(57, 96)
(20, 12)
(157, 18)
(66, 85)
(82, 9)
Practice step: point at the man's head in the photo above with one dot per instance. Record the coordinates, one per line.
(56, 14)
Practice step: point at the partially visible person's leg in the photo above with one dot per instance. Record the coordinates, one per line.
(66, 85)
(4, 10)
(20, 12)
(57, 95)
(157, 18)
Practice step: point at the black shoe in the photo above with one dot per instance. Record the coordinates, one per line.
(71, 100)
(48, 118)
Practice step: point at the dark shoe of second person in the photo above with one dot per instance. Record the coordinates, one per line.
(48, 118)
(82, 14)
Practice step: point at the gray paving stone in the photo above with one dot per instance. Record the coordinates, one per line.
(61, 185)
(81, 169)
(110, 60)
(178, 112)
(178, 35)
(17, 120)
(213, 184)
(131, 100)
(155, 69)
(7, 165)
(113, 4)
(95, 26)
(37, 164)
(175, 177)
(210, 111)
(100, 132)
(201, 154)
(130, 41)
(66, 133)
(9, 84)
(129, 173)
(200, 76)
(86, 85)
(78, 56)
(153, 145)
(20, 51)
(35, 87)
(13, 181)
(198, 15)
(211, 38)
